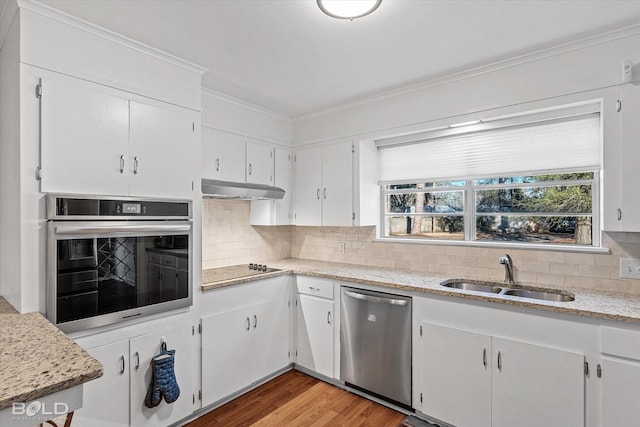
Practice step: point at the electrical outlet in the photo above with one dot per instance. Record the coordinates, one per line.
(341, 247)
(630, 268)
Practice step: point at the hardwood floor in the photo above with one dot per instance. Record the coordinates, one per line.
(296, 399)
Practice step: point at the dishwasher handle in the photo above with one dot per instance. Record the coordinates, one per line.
(370, 298)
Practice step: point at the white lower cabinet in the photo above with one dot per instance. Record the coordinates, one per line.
(315, 325)
(620, 376)
(471, 379)
(117, 398)
(242, 346)
(314, 334)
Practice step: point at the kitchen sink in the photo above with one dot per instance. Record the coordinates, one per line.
(472, 285)
(502, 289)
(542, 295)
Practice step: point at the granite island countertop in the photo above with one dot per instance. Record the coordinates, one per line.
(37, 359)
(589, 303)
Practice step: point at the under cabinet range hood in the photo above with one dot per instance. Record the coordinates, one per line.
(212, 188)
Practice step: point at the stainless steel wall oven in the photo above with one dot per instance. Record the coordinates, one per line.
(109, 260)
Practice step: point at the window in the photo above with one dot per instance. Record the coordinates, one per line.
(516, 180)
(554, 208)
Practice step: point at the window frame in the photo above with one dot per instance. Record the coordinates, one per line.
(470, 215)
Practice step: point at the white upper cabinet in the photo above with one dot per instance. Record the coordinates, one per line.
(84, 138)
(621, 180)
(323, 185)
(259, 163)
(336, 185)
(223, 155)
(161, 146)
(97, 140)
(307, 202)
(276, 212)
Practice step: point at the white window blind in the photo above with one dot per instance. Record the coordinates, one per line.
(559, 143)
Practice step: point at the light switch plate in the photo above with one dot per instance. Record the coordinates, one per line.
(341, 247)
(630, 268)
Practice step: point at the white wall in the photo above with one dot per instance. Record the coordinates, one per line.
(572, 68)
(9, 155)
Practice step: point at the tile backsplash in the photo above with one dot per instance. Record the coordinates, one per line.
(228, 239)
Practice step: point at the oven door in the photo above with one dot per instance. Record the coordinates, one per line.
(103, 272)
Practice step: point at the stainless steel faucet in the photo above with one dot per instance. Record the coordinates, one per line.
(508, 267)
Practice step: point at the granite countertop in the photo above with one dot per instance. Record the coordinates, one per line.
(590, 303)
(37, 359)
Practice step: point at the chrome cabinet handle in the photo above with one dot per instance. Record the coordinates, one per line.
(500, 361)
(619, 214)
(137, 356)
(250, 168)
(217, 165)
(135, 165)
(255, 321)
(484, 357)
(122, 163)
(329, 317)
(324, 193)
(248, 324)
(121, 365)
(318, 194)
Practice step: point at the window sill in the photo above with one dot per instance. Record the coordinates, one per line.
(496, 245)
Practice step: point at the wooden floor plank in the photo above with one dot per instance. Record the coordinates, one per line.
(297, 400)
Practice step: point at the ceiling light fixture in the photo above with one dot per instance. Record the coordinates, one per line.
(348, 9)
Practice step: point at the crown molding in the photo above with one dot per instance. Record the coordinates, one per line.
(571, 46)
(244, 104)
(80, 24)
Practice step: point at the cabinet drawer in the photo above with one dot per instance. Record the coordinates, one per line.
(315, 286)
(620, 342)
(154, 258)
(169, 261)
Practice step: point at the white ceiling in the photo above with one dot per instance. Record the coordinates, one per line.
(287, 56)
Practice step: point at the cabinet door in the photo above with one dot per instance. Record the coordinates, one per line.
(84, 138)
(223, 155)
(105, 400)
(308, 183)
(620, 392)
(270, 338)
(612, 183)
(259, 165)
(161, 141)
(456, 375)
(282, 173)
(227, 354)
(337, 185)
(536, 386)
(143, 348)
(630, 148)
(314, 334)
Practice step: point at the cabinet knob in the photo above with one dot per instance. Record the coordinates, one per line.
(136, 355)
(121, 365)
(324, 193)
(318, 194)
(135, 165)
(255, 321)
(484, 357)
(329, 317)
(122, 163)
(217, 165)
(619, 214)
(248, 324)
(500, 361)
(250, 168)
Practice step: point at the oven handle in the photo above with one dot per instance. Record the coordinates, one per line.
(74, 229)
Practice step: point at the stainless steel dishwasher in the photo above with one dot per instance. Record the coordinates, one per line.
(375, 344)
